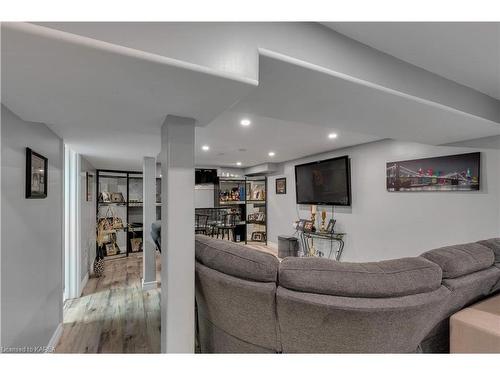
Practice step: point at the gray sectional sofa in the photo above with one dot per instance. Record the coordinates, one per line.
(250, 302)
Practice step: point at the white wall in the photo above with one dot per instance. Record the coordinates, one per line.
(32, 280)
(383, 225)
(87, 220)
(204, 196)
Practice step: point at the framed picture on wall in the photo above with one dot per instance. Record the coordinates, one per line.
(90, 186)
(281, 185)
(36, 175)
(442, 173)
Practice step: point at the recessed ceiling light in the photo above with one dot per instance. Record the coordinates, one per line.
(272, 153)
(332, 135)
(238, 163)
(245, 122)
(205, 148)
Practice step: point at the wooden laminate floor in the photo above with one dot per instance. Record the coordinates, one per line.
(114, 314)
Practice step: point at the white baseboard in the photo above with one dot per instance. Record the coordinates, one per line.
(149, 285)
(83, 283)
(54, 340)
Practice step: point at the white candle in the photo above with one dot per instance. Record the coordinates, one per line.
(313, 209)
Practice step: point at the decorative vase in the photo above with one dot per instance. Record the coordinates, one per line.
(98, 267)
(99, 262)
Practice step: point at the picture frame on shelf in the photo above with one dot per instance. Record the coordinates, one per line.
(112, 249)
(281, 185)
(331, 226)
(136, 245)
(36, 175)
(299, 225)
(308, 225)
(258, 236)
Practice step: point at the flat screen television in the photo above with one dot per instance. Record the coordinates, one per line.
(324, 182)
(205, 176)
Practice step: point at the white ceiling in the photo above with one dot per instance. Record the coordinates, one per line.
(230, 142)
(465, 52)
(109, 103)
(295, 107)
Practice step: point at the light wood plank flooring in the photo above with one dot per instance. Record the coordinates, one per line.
(114, 314)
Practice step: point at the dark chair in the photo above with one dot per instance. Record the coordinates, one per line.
(156, 234)
(201, 226)
(228, 225)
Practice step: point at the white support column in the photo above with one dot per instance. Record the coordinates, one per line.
(177, 233)
(148, 217)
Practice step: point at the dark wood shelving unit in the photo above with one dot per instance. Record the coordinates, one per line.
(245, 205)
(257, 205)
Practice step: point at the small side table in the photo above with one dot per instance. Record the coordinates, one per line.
(476, 329)
(333, 238)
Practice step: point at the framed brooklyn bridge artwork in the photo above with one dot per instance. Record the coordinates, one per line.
(443, 173)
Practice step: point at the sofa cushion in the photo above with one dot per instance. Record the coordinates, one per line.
(494, 245)
(391, 278)
(459, 260)
(235, 259)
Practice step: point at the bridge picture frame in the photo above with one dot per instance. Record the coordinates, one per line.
(460, 172)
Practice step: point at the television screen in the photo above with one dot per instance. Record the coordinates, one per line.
(205, 176)
(325, 182)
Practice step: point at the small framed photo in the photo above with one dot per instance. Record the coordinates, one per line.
(136, 244)
(331, 225)
(299, 225)
(308, 226)
(90, 186)
(281, 185)
(36, 175)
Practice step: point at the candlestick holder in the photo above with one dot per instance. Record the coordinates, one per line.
(323, 219)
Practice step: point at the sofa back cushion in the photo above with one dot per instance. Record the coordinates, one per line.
(236, 260)
(235, 315)
(460, 260)
(391, 278)
(494, 245)
(317, 323)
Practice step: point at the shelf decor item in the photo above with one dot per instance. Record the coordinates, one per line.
(98, 266)
(105, 197)
(308, 226)
(258, 236)
(36, 175)
(281, 185)
(112, 249)
(331, 225)
(136, 245)
(117, 198)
